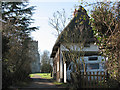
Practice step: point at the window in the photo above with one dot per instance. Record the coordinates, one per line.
(93, 66)
(87, 45)
(93, 58)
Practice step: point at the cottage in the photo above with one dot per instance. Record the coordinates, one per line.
(77, 34)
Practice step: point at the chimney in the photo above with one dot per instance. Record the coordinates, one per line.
(75, 12)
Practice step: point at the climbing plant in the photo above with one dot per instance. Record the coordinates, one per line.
(105, 21)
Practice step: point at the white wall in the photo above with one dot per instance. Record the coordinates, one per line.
(61, 64)
(77, 48)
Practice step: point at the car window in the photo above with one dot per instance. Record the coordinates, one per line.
(93, 66)
(93, 58)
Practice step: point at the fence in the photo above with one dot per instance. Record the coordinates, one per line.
(93, 80)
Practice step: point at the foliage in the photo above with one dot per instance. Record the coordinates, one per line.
(73, 38)
(15, 39)
(76, 35)
(105, 22)
(46, 68)
(7, 76)
(46, 62)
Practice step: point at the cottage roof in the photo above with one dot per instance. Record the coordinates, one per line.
(80, 22)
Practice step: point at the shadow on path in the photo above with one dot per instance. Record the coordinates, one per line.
(41, 83)
(38, 83)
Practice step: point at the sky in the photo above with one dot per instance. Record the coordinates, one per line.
(44, 10)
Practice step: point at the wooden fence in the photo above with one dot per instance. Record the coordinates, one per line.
(93, 80)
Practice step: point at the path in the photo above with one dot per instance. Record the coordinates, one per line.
(38, 83)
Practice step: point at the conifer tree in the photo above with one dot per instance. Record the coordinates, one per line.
(16, 30)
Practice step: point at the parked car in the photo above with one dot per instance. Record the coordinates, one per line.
(92, 64)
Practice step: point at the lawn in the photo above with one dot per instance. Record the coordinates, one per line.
(42, 75)
(58, 83)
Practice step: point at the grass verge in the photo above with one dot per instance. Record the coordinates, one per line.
(42, 75)
(61, 85)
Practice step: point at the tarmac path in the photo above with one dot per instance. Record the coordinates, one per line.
(38, 83)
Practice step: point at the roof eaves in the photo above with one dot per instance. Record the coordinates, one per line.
(58, 42)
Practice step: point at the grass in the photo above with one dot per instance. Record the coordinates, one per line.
(31, 75)
(62, 85)
(42, 75)
(58, 83)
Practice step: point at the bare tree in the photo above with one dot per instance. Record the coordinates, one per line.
(46, 62)
(58, 21)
